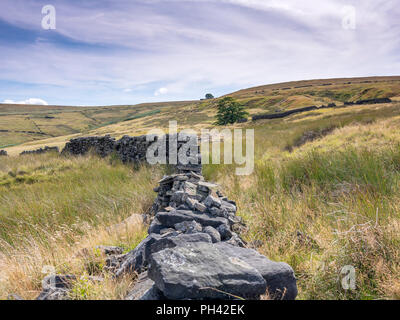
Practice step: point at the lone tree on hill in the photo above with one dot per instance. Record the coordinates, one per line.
(209, 96)
(230, 111)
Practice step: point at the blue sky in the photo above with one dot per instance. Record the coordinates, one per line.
(106, 52)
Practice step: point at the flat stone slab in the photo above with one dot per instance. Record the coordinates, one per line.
(172, 242)
(169, 219)
(201, 271)
(280, 277)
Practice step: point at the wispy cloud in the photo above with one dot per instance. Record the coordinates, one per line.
(33, 101)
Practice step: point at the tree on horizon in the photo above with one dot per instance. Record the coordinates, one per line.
(230, 111)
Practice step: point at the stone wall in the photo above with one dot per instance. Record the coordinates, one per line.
(131, 149)
(41, 151)
(331, 105)
(369, 101)
(283, 114)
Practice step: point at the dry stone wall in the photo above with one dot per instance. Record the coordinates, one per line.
(41, 151)
(134, 149)
(194, 249)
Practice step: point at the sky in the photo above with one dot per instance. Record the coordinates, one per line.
(113, 52)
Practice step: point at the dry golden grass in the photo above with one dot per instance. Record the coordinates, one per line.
(330, 203)
(23, 268)
(52, 208)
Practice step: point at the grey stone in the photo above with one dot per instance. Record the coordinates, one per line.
(169, 219)
(56, 287)
(200, 207)
(188, 227)
(211, 201)
(168, 231)
(201, 271)
(225, 232)
(280, 278)
(177, 197)
(213, 233)
(189, 188)
(114, 262)
(144, 289)
(172, 242)
(228, 206)
(235, 240)
(155, 227)
(58, 281)
(191, 203)
(110, 250)
(137, 259)
(216, 212)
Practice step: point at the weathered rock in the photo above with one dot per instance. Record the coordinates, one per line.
(225, 232)
(144, 289)
(172, 242)
(137, 259)
(188, 227)
(225, 205)
(169, 219)
(56, 287)
(114, 262)
(211, 201)
(213, 233)
(191, 203)
(168, 231)
(235, 240)
(201, 271)
(200, 207)
(280, 278)
(110, 250)
(155, 227)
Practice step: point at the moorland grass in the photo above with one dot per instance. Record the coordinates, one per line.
(53, 207)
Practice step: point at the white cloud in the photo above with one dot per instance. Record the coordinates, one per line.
(127, 90)
(33, 101)
(161, 91)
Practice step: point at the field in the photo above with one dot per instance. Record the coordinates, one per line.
(318, 204)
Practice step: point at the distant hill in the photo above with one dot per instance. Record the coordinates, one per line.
(27, 126)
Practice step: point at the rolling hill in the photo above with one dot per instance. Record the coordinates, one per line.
(29, 127)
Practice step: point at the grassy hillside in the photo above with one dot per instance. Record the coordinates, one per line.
(30, 127)
(318, 205)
